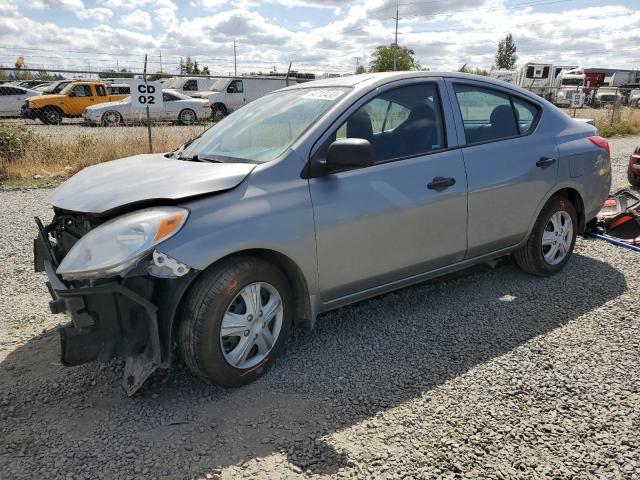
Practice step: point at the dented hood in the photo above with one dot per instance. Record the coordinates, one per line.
(103, 187)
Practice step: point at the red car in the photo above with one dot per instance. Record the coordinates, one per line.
(633, 172)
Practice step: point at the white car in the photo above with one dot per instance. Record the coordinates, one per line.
(12, 98)
(177, 107)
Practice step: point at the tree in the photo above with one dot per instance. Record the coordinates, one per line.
(474, 71)
(382, 59)
(506, 57)
(360, 69)
(205, 70)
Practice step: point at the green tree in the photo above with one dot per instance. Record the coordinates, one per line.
(360, 69)
(506, 57)
(382, 59)
(474, 71)
(205, 70)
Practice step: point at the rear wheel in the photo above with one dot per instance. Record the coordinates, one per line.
(111, 118)
(219, 112)
(187, 117)
(551, 242)
(236, 320)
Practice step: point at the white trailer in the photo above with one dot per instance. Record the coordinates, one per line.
(509, 76)
(536, 77)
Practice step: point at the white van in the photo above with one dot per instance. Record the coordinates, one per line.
(190, 85)
(229, 94)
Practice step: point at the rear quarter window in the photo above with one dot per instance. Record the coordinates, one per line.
(526, 113)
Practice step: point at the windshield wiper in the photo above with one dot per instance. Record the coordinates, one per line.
(199, 158)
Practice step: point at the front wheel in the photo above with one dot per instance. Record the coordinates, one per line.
(551, 242)
(111, 118)
(51, 116)
(236, 320)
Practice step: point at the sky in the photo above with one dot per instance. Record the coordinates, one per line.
(330, 36)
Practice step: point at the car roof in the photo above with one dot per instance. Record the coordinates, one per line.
(373, 80)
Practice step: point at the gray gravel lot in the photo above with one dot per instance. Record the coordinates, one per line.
(493, 374)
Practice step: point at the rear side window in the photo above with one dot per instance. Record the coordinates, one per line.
(486, 114)
(490, 115)
(526, 114)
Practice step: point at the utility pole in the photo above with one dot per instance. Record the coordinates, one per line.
(357, 63)
(160, 60)
(235, 61)
(395, 43)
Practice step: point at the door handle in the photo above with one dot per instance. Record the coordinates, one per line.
(545, 162)
(440, 183)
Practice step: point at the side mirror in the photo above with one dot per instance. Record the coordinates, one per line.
(71, 94)
(231, 90)
(349, 154)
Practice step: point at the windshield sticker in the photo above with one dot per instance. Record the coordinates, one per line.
(323, 94)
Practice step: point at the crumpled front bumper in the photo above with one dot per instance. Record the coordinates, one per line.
(113, 318)
(30, 113)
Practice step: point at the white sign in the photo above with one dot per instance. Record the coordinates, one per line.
(577, 99)
(146, 95)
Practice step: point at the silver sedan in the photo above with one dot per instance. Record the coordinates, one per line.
(177, 107)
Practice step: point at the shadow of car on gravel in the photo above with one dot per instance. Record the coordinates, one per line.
(358, 362)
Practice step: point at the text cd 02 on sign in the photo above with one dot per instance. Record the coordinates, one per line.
(145, 95)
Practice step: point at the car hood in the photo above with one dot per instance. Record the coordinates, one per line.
(47, 97)
(142, 179)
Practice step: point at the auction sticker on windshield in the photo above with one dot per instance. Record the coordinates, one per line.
(146, 95)
(323, 94)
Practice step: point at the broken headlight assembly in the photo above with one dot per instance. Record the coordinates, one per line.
(116, 246)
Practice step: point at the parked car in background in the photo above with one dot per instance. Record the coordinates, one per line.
(634, 97)
(70, 102)
(119, 89)
(12, 98)
(177, 107)
(320, 195)
(30, 83)
(229, 94)
(56, 87)
(606, 96)
(189, 85)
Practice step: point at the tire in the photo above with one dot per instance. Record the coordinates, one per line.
(219, 112)
(215, 296)
(534, 256)
(633, 178)
(50, 116)
(111, 118)
(187, 117)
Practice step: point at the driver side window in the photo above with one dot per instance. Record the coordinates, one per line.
(399, 123)
(82, 91)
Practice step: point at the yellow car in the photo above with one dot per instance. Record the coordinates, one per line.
(70, 102)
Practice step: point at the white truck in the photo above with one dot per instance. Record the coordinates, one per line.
(229, 94)
(565, 84)
(189, 85)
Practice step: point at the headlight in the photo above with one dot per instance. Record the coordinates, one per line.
(116, 246)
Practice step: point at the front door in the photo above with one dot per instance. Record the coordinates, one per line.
(402, 216)
(511, 164)
(235, 95)
(81, 97)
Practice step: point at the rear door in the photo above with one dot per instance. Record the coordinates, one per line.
(402, 216)
(510, 160)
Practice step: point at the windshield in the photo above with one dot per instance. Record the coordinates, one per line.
(58, 88)
(263, 130)
(571, 81)
(219, 85)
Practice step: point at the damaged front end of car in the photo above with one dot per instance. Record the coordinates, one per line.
(120, 292)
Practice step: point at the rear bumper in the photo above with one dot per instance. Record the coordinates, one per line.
(110, 319)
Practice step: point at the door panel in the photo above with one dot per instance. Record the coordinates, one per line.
(506, 186)
(382, 223)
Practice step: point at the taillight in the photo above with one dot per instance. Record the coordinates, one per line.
(600, 142)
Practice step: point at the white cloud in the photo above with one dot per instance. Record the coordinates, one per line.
(99, 15)
(119, 5)
(54, 4)
(139, 20)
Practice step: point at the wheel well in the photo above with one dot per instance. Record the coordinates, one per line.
(219, 105)
(574, 197)
(302, 305)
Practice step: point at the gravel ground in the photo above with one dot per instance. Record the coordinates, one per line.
(495, 374)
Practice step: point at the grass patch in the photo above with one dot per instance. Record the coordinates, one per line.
(45, 154)
(626, 120)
